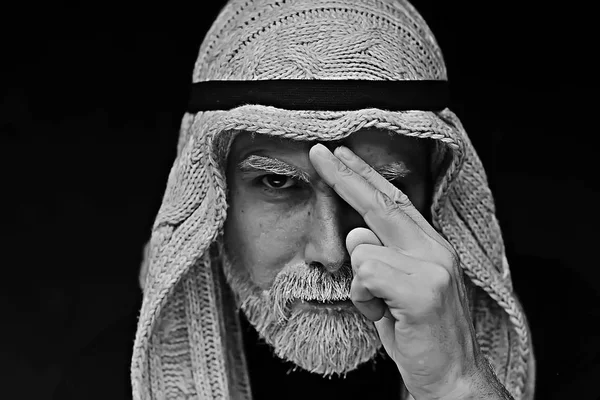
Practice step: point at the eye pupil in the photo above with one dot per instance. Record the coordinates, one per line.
(276, 181)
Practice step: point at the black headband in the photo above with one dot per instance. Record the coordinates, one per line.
(326, 95)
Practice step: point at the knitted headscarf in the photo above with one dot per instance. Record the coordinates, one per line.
(188, 343)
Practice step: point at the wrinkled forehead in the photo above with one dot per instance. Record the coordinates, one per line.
(370, 143)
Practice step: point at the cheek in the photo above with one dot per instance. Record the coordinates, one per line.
(263, 237)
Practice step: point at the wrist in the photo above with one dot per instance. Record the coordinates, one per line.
(483, 385)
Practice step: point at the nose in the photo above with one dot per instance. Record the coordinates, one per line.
(331, 221)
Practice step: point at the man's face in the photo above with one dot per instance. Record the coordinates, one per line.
(285, 253)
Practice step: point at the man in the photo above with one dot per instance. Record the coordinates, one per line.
(329, 237)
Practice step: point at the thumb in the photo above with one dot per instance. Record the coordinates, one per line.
(376, 308)
(361, 236)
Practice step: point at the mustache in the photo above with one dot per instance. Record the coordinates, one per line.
(308, 283)
(300, 281)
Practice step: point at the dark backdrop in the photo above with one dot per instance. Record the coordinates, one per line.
(92, 98)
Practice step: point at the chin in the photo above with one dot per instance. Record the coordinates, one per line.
(327, 337)
(325, 340)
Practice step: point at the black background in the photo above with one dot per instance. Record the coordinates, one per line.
(92, 99)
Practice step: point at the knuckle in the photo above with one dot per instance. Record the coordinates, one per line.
(366, 271)
(387, 204)
(390, 208)
(440, 278)
(434, 296)
(343, 169)
(367, 171)
(402, 200)
(402, 197)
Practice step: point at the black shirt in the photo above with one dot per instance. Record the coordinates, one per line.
(273, 378)
(562, 309)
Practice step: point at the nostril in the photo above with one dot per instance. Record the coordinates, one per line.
(333, 268)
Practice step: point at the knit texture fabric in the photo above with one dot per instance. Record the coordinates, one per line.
(188, 343)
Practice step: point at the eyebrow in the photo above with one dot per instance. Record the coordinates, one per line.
(253, 163)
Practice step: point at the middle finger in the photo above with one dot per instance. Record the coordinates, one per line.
(383, 216)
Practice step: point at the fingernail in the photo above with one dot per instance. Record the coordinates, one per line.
(344, 153)
(321, 150)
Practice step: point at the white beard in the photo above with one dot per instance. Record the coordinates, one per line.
(323, 340)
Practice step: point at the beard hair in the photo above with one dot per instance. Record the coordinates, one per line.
(322, 340)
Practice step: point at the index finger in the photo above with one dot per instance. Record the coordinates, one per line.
(380, 212)
(362, 168)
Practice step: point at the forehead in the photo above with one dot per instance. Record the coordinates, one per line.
(370, 144)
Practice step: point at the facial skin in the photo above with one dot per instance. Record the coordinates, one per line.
(288, 245)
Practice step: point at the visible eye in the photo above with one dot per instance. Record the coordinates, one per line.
(277, 182)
